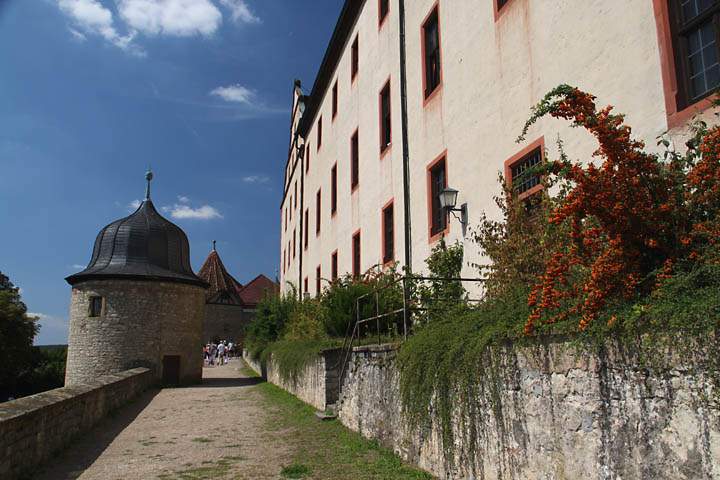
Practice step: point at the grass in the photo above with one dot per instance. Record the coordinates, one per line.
(327, 449)
(208, 470)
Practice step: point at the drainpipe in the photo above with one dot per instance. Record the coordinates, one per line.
(301, 237)
(405, 142)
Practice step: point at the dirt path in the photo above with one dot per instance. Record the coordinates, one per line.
(215, 430)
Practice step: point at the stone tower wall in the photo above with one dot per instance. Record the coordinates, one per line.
(141, 322)
(226, 322)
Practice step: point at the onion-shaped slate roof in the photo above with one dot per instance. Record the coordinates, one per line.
(143, 245)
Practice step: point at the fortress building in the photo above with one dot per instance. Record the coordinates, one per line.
(230, 306)
(138, 303)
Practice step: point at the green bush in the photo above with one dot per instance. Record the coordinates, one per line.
(271, 316)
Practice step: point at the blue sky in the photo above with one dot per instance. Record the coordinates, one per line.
(94, 91)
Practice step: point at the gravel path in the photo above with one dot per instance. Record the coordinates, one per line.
(215, 430)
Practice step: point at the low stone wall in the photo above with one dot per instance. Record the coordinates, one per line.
(316, 385)
(34, 428)
(550, 413)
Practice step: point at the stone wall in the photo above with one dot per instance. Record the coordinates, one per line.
(141, 322)
(226, 322)
(34, 428)
(316, 385)
(550, 413)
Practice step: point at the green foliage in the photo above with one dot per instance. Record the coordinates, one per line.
(292, 356)
(307, 321)
(272, 314)
(46, 371)
(17, 331)
(435, 297)
(296, 470)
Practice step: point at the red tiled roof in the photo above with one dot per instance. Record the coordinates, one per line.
(223, 287)
(255, 290)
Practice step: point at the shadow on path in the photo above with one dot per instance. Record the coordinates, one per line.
(227, 382)
(86, 448)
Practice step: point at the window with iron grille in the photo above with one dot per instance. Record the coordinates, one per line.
(335, 99)
(695, 29)
(383, 10)
(354, 58)
(431, 42)
(385, 118)
(334, 265)
(388, 234)
(438, 182)
(317, 212)
(356, 254)
(521, 174)
(96, 304)
(333, 189)
(354, 160)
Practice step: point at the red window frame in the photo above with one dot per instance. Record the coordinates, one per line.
(385, 127)
(433, 201)
(334, 265)
(355, 160)
(428, 95)
(538, 144)
(318, 216)
(356, 254)
(333, 190)
(355, 58)
(388, 232)
(307, 226)
(335, 100)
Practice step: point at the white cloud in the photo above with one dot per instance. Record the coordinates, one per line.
(77, 266)
(79, 36)
(184, 211)
(240, 11)
(134, 205)
(256, 179)
(234, 93)
(182, 18)
(183, 199)
(49, 320)
(91, 17)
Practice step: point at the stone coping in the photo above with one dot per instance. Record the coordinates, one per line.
(27, 405)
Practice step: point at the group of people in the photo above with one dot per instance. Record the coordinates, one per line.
(218, 353)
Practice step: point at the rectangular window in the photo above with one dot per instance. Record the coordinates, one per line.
(295, 205)
(334, 265)
(307, 226)
(438, 182)
(354, 58)
(695, 28)
(319, 133)
(317, 212)
(356, 255)
(333, 190)
(306, 289)
(294, 244)
(501, 3)
(95, 306)
(335, 99)
(385, 118)
(388, 234)
(431, 53)
(284, 262)
(383, 9)
(317, 280)
(307, 158)
(354, 160)
(521, 177)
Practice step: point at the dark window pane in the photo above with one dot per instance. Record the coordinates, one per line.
(95, 306)
(437, 185)
(388, 234)
(521, 177)
(354, 160)
(702, 59)
(432, 53)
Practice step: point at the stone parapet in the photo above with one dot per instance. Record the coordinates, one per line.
(34, 428)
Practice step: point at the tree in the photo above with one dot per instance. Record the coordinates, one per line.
(17, 331)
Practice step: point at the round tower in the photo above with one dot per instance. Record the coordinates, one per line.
(138, 303)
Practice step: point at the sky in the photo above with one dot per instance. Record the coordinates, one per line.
(92, 92)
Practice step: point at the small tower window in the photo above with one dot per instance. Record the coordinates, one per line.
(96, 306)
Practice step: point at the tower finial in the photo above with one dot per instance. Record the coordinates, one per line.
(214, 245)
(148, 177)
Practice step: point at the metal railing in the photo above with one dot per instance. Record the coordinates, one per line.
(416, 300)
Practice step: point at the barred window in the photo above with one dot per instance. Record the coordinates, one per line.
(95, 306)
(520, 175)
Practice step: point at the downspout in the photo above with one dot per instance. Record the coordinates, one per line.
(405, 142)
(301, 154)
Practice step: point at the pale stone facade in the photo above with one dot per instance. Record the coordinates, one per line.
(141, 323)
(494, 67)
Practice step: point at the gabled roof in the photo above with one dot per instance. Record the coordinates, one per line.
(223, 287)
(255, 290)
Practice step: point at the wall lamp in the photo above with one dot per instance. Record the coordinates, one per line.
(448, 200)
